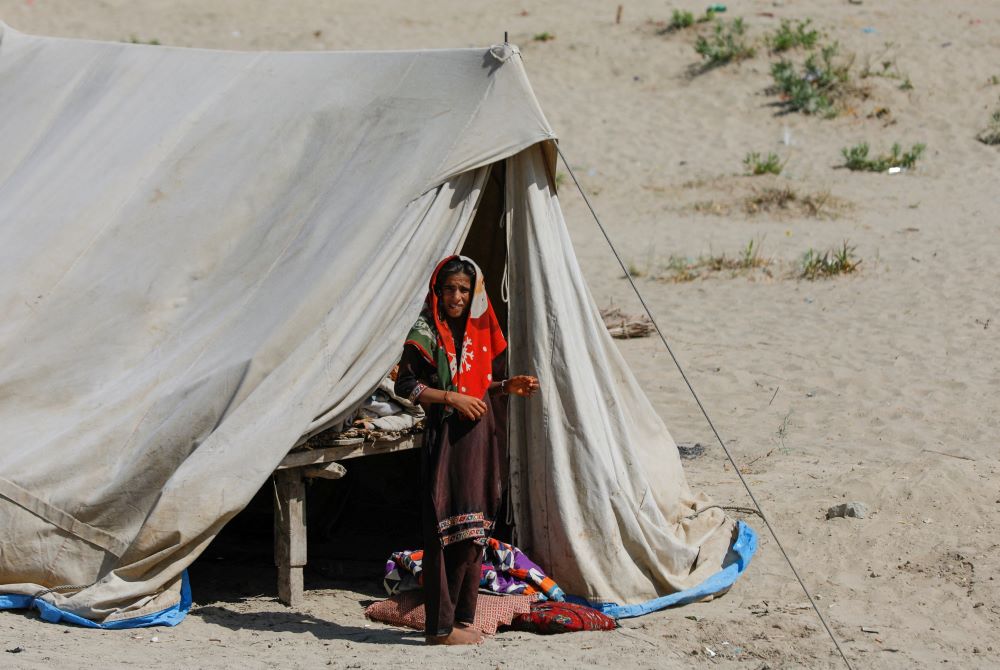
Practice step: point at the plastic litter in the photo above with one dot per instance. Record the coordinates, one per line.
(718, 9)
(688, 451)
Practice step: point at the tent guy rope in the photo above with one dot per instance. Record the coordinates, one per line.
(704, 412)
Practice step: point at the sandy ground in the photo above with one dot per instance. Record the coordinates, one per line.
(881, 387)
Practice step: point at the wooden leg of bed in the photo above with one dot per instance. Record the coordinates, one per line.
(290, 534)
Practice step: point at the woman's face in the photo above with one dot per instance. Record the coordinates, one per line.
(456, 295)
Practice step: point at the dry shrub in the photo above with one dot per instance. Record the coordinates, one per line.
(785, 199)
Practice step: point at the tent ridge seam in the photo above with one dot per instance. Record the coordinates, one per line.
(472, 117)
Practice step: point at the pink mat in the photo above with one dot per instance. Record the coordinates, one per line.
(407, 609)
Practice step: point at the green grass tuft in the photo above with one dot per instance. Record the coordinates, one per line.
(726, 44)
(856, 158)
(680, 20)
(707, 16)
(787, 37)
(815, 265)
(755, 165)
(543, 37)
(819, 87)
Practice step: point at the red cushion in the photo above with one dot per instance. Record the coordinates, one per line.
(552, 617)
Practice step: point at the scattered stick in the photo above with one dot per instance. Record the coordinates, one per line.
(623, 326)
(774, 396)
(964, 458)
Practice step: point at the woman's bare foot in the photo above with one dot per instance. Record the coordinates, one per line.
(479, 635)
(455, 637)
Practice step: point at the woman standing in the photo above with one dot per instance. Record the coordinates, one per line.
(452, 362)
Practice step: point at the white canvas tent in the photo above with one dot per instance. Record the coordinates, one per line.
(206, 255)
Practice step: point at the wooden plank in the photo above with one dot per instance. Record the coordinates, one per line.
(290, 535)
(330, 470)
(298, 459)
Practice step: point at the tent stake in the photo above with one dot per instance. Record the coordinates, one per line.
(649, 313)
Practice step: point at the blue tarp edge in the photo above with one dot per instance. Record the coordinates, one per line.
(741, 552)
(737, 562)
(170, 616)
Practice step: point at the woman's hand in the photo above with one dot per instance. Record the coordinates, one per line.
(469, 407)
(522, 385)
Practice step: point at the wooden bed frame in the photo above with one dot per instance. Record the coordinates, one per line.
(290, 500)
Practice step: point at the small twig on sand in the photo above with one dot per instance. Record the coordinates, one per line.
(964, 458)
(774, 396)
(760, 457)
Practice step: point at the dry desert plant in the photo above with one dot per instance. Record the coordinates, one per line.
(884, 65)
(681, 269)
(773, 197)
(785, 198)
(991, 133)
(635, 271)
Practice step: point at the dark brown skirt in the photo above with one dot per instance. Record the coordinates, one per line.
(463, 468)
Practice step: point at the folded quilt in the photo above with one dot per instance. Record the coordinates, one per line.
(506, 570)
